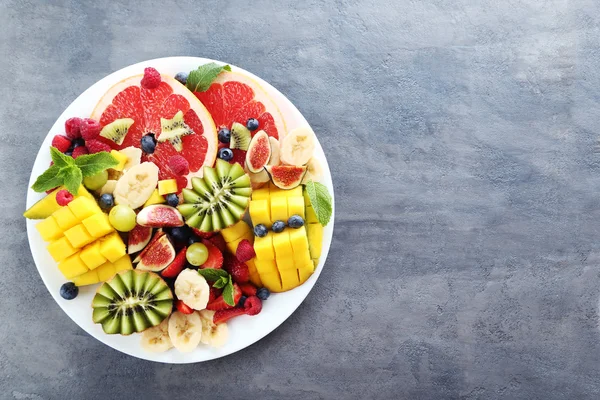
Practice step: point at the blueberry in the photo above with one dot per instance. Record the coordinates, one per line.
(78, 142)
(172, 200)
(252, 124)
(193, 239)
(224, 135)
(106, 201)
(263, 293)
(295, 221)
(260, 230)
(225, 154)
(181, 234)
(278, 226)
(148, 143)
(69, 291)
(242, 301)
(69, 153)
(182, 77)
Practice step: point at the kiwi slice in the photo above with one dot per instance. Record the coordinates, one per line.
(219, 199)
(132, 301)
(240, 137)
(117, 130)
(173, 130)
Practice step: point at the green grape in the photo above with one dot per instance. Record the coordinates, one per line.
(122, 218)
(96, 182)
(197, 254)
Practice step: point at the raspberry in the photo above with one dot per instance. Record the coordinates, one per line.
(96, 146)
(62, 143)
(72, 128)
(151, 78)
(63, 197)
(90, 129)
(179, 165)
(238, 270)
(245, 251)
(78, 151)
(253, 305)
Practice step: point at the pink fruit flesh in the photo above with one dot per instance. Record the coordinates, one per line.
(259, 152)
(159, 255)
(138, 238)
(160, 216)
(286, 176)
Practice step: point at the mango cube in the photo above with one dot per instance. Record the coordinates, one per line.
(282, 246)
(79, 236)
(232, 246)
(266, 267)
(263, 247)
(98, 225)
(289, 279)
(311, 216)
(299, 242)
(106, 271)
(295, 206)
(65, 217)
(261, 194)
(260, 212)
(121, 158)
(236, 231)
(253, 272)
(89, 278)
(112, 247)
(167, 186)
(154, 198)
(123, 264)
(91, 255)
(61, 249)
(72, 266)
(82, 208)
(285, 264)
(315, 239)
(49, 229)
(272, 282)
(279, 210)
(303, 275)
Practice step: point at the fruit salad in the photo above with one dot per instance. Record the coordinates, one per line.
(184, 202)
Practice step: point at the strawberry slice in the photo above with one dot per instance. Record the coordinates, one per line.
(215, 257)
(218, 241)
(238, 270)
(225, 315)
(176, 265)
(220, 304)
(248, 289)
(183, 308)
(214, 293)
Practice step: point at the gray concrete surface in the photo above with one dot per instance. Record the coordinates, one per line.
(461, 137)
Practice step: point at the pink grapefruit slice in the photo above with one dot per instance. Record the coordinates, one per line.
(127, 99)
(235, 97)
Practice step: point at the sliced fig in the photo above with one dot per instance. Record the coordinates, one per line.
(259, 152)
(157, 235)
(286, 176)
(160, 216)
(138, 238)
(157, 256)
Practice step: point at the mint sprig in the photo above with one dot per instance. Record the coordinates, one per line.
(228, 293)
(70, 172)
(199, 80)
(213, 275)
(221, 283)
(222, 280)
(320, 200)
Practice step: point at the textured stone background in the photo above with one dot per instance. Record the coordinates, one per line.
(461, 137)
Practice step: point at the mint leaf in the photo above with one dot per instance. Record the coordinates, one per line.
(59, 159)
(92, 164)
(211, 274)
(72, 179)
(320, 200)
(220, 284)
(199, 80)
(48, 180)
(228, 293)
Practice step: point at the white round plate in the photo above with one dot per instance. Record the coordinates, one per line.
(244, 330)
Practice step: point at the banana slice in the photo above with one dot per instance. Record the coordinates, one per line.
(136, 185)
(275, 152)
(314, 171)
(298, 146)
(192, 289)
(185, 331)
(134, 157)
(156, 339)
(109, 187)
(260, 177)
(212, 334)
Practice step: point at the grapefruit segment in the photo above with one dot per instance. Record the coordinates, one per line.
(146, 107)
(235, 97)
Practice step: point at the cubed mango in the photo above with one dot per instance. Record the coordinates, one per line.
(167, 186)
(261, 194)
(272, 282)
(98, 225)
(154, 198)
(121, 158)
(112, 247)
(295, 206)
(49, 229)
(299, 242)
(282, 246)
(279, 210)
(263, 247)
(289, 279)
(236, 231)
(123, 264)
(106, 271)
(82, 208)
(91, 255)
(72, 266)
(60, 249)
(89, 278)
(266, 267)
(65, 217)
(260, 212)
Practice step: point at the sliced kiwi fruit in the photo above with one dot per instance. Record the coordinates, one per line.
(132, 301)
(240, 137)
(217, 200)
(117, 130)
(173, 130)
